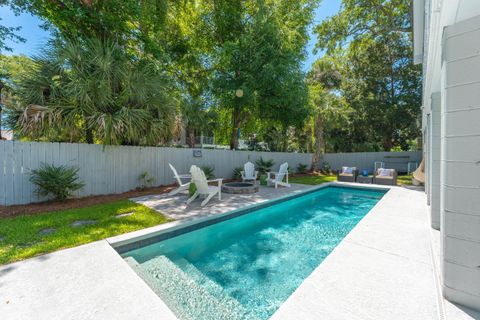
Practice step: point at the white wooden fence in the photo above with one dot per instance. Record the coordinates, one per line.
(115, 169)
(365, 160)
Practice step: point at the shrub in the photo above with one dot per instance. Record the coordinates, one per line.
(191, 189)
(59, 181)
(146, 180)
(264, 166)
(209, 172)
(302, 168)
(263, 180)
(237, 173)
(326, 169)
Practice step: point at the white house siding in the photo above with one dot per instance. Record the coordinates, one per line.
(434, 161)
(427, 142)
(460, 162)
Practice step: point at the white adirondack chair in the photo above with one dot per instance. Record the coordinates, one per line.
(249, 172)
(181, 185)
(203, 189)
(277, 179)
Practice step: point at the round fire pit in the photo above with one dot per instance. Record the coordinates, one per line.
(239, 187)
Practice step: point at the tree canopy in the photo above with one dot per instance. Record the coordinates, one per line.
(91, 92)
(141, 72)
(372, 42)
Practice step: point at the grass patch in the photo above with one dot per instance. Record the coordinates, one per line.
(312, 179)
(22, 237)
(404, 179)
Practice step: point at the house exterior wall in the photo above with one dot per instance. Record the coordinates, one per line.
(460, 163)
(427, 143)
(451, 122)
(434, 161)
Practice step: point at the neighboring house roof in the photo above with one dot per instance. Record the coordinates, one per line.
(7, 135)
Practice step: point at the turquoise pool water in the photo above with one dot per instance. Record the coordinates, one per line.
(246, 267)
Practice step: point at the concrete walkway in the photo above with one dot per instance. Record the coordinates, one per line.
(383, 269)
(87, 282)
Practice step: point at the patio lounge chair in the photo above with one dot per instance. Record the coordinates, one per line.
(181, 186)
(203, 189)
(277, 179)
(249, 173)
(386, 177)
(347, 174)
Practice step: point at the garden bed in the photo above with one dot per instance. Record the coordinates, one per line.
(48, 206)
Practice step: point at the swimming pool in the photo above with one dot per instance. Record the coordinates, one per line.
(247, 266)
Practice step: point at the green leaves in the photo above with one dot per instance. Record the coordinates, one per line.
(92, 86)
(122, 70)
(209, 172)
(369, 69)
(59, 181)
(259, 49)
(263, 166)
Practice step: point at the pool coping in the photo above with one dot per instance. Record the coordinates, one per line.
(133, 240)
(144, 237)
(381, 270)
(92, 281)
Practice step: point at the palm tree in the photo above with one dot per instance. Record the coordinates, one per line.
(92, 91)
(323, 78)
(196, 118)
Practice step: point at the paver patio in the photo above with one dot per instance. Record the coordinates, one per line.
(176, 208)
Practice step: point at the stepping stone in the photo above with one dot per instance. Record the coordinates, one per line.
(80, 223)
(47, 231)
(124, 214)
(25, 245)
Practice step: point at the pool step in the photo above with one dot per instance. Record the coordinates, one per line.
(211, 286)
(187, 298)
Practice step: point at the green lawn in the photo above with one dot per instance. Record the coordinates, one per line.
(312, 179)
(404, 179)
(22, 237)
(318, 179)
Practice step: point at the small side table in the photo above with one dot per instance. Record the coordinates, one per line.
(362, 179)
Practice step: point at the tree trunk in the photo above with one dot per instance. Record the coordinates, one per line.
(89, 136)
(309, 140)
(285, 141)
(234, 139)
(235, 124)
(387, 143)
(191, 138)
(319, 143)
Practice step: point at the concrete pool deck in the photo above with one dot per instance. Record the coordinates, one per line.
(384, 269)
(176, 208)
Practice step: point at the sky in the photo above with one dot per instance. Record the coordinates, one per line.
(35, 36)
(326, 9)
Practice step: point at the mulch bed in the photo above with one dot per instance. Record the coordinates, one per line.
(48, 206)
(41, 207)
